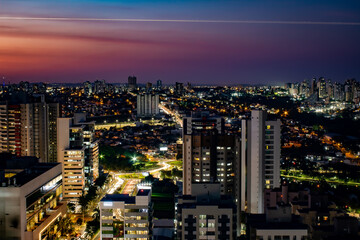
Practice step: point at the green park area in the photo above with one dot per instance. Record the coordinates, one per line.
(176, 163)
(115, 158)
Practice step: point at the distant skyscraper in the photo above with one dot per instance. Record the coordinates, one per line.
(322, 88)
(132, 82)
(148, 86)
(260, 160)
(179, 88)
(100, 86)
(313, 86)
(339, 93)
(88, 89)
(147, 104)
(159, 84)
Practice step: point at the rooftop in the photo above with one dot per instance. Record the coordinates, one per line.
(119, 198)
(143, 192)
(17, 176)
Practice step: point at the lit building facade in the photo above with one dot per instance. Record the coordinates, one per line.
(126, 217)
(73, 173)
(78, 150)
(29, 129)
(209, 154)
(31, 201)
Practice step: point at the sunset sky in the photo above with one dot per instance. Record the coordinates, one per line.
(54, 50)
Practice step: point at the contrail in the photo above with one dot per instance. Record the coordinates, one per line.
(179, 21)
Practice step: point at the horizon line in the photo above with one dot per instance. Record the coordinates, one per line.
(180, 20)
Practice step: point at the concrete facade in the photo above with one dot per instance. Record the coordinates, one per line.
(25, 215)
(260, 160)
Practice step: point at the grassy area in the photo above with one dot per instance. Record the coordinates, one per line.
(304, 177)
(133, 175)
(163, 195)
(176, 163)
(150, 165)
(119, 190)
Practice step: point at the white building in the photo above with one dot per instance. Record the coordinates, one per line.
(126, 217)
(78, 151)
(30, 200)
(147, 105)
(260, 160)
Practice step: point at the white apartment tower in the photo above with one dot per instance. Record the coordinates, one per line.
(147, 104)
(260, 160)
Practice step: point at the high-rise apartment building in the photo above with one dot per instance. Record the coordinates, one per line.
(88, 89)
(148, 86)
(28, 128)
(147, 105)
(126, 217)
(322, 88)
(132, 82)
(260, 160)
(179, 88)
(209, 153)
(159, 84)
(73, 161)
(100, 86)
(78, 152)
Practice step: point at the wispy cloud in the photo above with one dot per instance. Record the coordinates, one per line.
(178, 20)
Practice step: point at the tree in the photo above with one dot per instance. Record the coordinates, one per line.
(71, 207)
(66, 226)
(94, 225)
(96, 214)
(83, 201)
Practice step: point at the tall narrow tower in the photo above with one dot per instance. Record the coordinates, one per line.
(260, 160)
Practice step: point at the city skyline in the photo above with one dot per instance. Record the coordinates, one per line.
(202, 42)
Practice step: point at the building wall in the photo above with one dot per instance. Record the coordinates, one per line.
(54, 114)
(147, 105)
(10, 127)
(269, 234)
(255, 168)
(260, 160)
(73, 173)
(63, 136)
(207, 222)
(121, 220)
(26, 129)
(13, 206)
